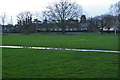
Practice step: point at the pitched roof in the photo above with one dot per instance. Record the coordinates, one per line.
(84, 24)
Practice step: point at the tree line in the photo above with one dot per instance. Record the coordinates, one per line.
(63, 10)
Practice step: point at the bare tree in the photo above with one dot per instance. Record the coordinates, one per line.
(3, 18)
(61, 11)
(25, 19)
(38, 16)
(115, 9)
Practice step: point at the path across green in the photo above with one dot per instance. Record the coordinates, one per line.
(59, 49)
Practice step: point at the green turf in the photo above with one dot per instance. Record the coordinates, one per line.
(30, 63)
(78, 40)
(0, 57)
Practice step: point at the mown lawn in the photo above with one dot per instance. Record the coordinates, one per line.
(30, 63)
(76, 40)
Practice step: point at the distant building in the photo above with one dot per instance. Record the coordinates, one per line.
(71, 25)
(36, 26)
(8, 28)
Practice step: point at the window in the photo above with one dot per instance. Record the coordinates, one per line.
(75, 29)
(81, 29)
(66, 29)
(60, 29)
(71, 29)
(85, 28)
(55, 29)
(51, 29)
(43, 29)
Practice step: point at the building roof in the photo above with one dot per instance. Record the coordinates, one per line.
(84, 24)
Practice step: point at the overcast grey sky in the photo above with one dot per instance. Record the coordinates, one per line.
(91, 7)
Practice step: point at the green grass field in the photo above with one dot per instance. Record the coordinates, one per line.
(79, 40)
(30, 63)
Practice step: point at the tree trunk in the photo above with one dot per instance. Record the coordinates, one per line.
(63, 26)
(63, 30)
(115, 31)
(101, 30)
